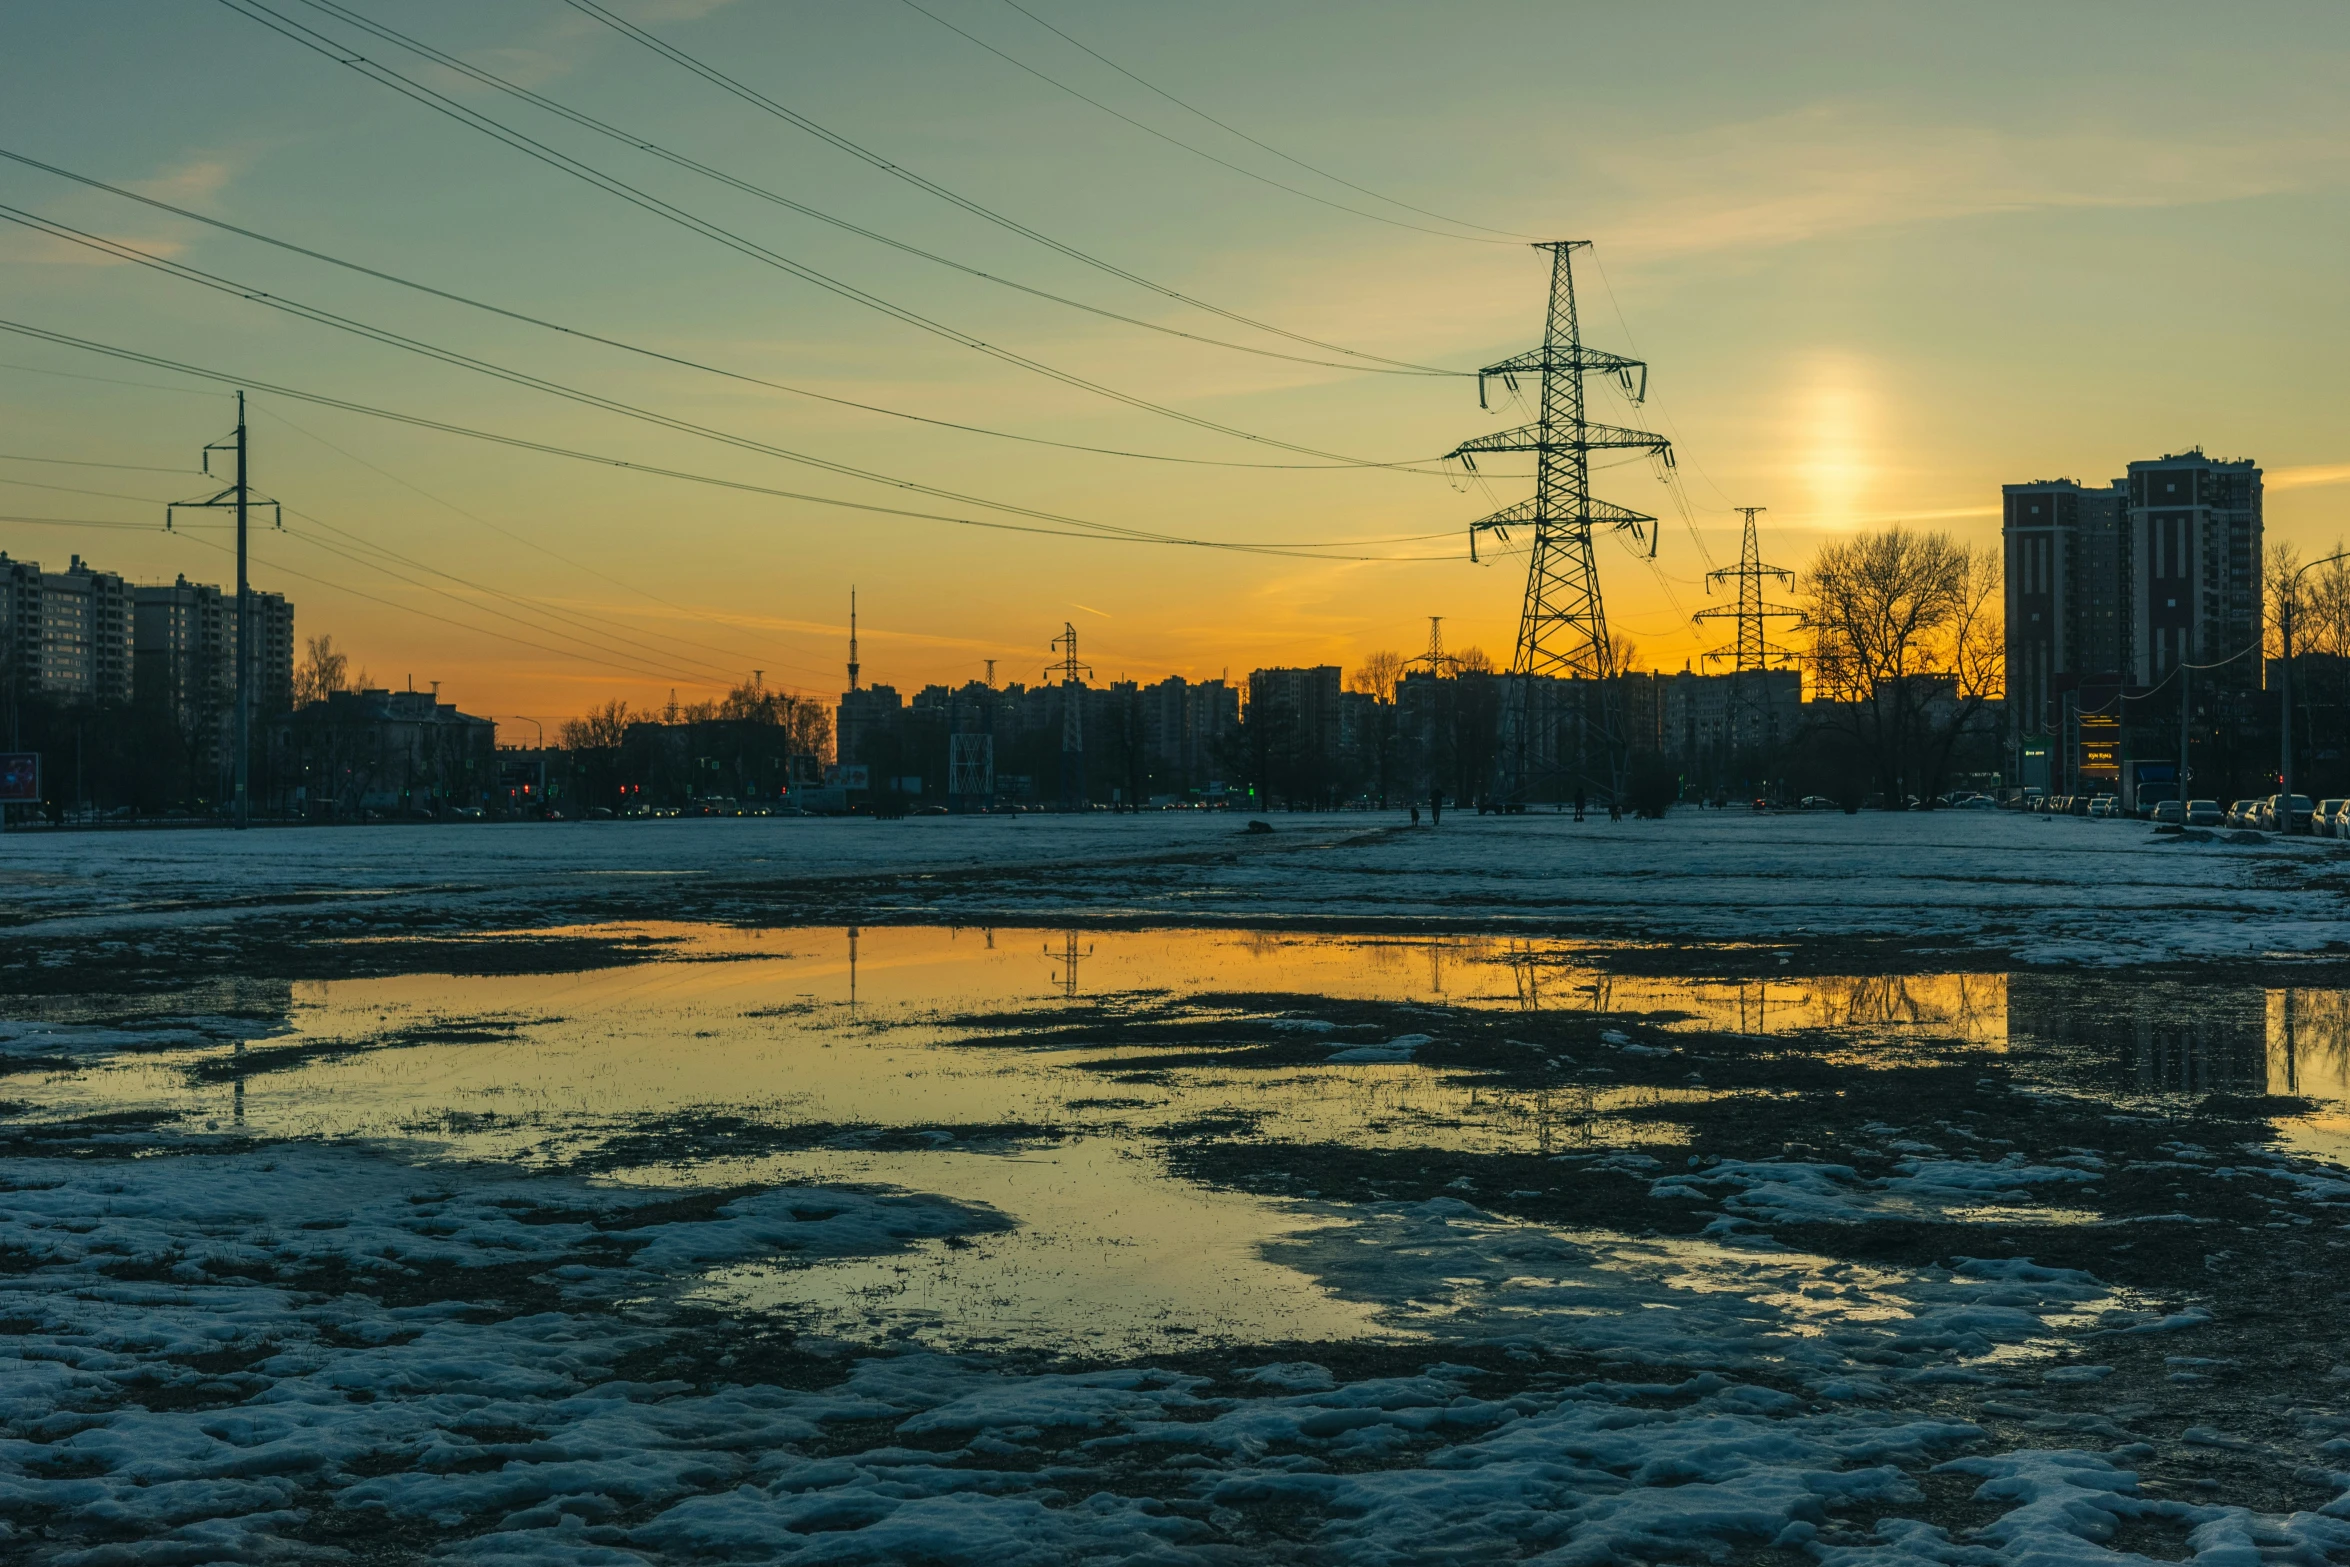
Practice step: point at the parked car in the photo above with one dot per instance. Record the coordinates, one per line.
(1976, 802)
(2170, 811)
(2205, 813)
(2244, 813)
(2285, 813)
(2324, 820)
(1818, 802)
(2103, 805)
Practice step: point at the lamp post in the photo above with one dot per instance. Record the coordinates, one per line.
(2285, 737)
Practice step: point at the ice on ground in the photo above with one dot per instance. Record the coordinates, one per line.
(214, 1350)
(1773, 1190)
(2063, 891)
(1401, 1048)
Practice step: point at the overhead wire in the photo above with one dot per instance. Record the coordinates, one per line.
(523, 539)
(1198, 152)
(790, 116)
(319, 43)
(1235, 130)
(656, 354)
(83, 462)
(461, 360)
(1364, 362)
(522, 443)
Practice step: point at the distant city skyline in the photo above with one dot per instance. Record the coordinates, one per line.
(1881, 265)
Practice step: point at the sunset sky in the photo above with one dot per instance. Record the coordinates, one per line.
(1881, 259)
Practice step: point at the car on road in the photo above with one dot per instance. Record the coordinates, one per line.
(1818, 802)
(1975, 802)
(2205, 813)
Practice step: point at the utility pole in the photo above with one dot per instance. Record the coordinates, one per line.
(240, 498)
(1562, 630)
(2186, 673)
(1072, 716)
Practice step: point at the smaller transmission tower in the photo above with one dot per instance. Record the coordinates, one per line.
(1749, 649)
(1069, 673)
(1753, 716)
(1437, 660)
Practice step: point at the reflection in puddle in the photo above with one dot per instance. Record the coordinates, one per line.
(745, 1033)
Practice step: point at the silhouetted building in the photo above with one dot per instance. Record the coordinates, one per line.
(2195, 539)
(1711, 719)
(388, 752)
(2067, 559)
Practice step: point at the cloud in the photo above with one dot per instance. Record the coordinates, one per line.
(2309, 477)
(1842, 167)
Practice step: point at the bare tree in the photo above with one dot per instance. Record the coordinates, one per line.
(324, 670)
(601, 729)
(1906, 647)
(1623, 654)
(1377, 674)
(1473, 660)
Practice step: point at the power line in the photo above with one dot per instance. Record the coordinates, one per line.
(520, 443)
(319, 43)
(390, 338)
(83, 462)
(520, 538)
(410, 609)
(1369, 363)
(656, 354)
(1253, 141)
(1197, 152)
(759, 100)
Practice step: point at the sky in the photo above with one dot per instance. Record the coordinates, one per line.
(1880, 258)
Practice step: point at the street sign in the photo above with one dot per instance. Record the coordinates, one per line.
(20, 777)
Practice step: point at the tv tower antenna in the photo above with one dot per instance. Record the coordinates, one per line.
(1562, 630)
(1750, 650)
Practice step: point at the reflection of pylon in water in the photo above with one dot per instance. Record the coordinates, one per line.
(852, 968)
(1523, 969)
(1755, 1021)
(1067, 958)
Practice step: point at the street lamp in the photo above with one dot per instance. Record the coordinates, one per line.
(535, 724)
(2293, 592)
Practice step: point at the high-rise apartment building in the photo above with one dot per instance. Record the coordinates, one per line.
(2194, 532)
(65, 634)
(2114, 586)
(2067, 558)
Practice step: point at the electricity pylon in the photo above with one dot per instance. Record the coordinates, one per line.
(1562, 631)
(1072, 716)
(1750, 649)
(1437, 660)
(1750, 652)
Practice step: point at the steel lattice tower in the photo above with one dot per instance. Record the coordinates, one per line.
(1562, 630)
(1750, 650)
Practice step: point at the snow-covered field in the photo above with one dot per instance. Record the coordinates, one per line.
(2040, 890)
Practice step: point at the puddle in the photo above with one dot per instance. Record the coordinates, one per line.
(738, 1040)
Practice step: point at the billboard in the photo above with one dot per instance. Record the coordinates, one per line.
(20, 777)
(849, 775)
